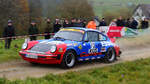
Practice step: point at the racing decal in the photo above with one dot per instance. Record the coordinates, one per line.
(69, 44)
(93, 48)
(90, 58)
(56, 42)
(77, 30)
(60, 50)
(52, 42)
(44, 42)
(103, 49)
(93, 54)
(80, 47)
(105, 43)
(75, 44)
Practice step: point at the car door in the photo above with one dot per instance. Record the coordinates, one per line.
(91, 44)
(102, 43)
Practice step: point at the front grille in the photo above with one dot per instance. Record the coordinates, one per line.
(41, 47)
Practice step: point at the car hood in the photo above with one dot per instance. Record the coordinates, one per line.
(57, 42)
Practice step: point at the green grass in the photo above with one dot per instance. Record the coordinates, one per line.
(137, 72)
(12, 53)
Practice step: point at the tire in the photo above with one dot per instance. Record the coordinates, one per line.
(110, 56)
(69, 60)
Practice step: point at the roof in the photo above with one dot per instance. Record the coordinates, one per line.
(81, 28)
(145, 8)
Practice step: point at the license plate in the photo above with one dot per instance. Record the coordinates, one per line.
(32, 56)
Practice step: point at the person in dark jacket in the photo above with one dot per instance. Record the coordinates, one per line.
(74, 23)
(79, 23)
(127, 23)
(9, 31)
(103, 23)
(56, 26)
(134, 24)
(33, 30)
(144, 24)
(48, 29)
(120, 22)
(66, 23)
(84, 23)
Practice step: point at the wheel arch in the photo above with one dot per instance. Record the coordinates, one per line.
(112, 48)
(72, 50)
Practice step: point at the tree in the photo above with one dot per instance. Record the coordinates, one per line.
(35, 10)
(17, 10)
(76, 9)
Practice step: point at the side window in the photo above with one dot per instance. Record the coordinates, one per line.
(102, 37)
(92, 36)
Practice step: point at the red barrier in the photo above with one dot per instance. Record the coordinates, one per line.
(114, 31)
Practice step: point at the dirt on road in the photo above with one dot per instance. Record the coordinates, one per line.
(21, 69)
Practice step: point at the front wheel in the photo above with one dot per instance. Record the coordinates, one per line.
(69, 60)
(110, 55)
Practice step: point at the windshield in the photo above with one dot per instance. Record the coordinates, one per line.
(69, 35)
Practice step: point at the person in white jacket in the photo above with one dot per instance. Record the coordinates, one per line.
(113, 22)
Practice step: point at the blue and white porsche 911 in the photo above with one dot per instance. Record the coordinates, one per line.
(70, 45)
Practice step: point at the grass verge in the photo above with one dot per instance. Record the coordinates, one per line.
(136, 72)
(12, 53)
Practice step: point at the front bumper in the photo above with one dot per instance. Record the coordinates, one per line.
(41, 58)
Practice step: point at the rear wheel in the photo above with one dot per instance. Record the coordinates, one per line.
(110, 56)
(69, 59)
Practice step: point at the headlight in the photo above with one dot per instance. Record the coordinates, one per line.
(53, 48)
(24, 46)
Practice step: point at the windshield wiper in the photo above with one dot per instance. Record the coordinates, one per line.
(59, 38)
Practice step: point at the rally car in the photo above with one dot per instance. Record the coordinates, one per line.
(69, 46)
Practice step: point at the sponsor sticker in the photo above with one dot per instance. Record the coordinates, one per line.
(93, 48)
(75, 44)
(77, 30)
(60, 50)
(80, 47)
(52, 42)
(105, 43)
(103, 49)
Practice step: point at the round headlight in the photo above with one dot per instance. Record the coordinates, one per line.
(53, 48)
(24, 46)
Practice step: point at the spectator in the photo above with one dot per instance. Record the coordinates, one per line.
(66, 23)
(91, 24)
(9, 31)
(134, 24)
(127, 23)
(33, 30)
(56, 26)
(103, 23)
(144, 24)
(84, 23)
(79, 23)
(120, 22)
(74, 23)
(113, 23)
(48, 29)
